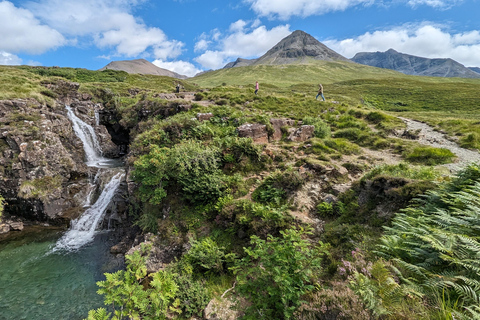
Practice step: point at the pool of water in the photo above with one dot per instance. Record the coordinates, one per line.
(36, 284)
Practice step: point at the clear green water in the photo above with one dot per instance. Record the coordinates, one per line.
(36, 285)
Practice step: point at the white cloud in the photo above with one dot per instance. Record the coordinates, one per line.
(110, 23)
(180, 67)
(9, 59)
(441, 4)
(20, 31)
(424, 40)
(284, 9)
(241, 42)
(201, 45)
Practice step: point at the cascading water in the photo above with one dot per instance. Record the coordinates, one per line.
(86, 133)
(82, 230)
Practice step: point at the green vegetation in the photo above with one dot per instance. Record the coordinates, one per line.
(238, 209)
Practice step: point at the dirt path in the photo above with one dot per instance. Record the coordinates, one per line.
(428, 136)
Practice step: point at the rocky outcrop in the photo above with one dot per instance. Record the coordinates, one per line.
(43, 176)
(258, 132)
(303, 133)
(277, 125)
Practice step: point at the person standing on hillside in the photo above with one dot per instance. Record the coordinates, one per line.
(177, 88)
(320, 92)
(256, 87)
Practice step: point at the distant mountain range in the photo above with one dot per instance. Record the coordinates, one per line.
(414, 65)
(141, 66)
(298, 47)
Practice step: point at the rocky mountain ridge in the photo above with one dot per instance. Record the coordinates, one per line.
(298, 47)
(413, 65)
(141, 66)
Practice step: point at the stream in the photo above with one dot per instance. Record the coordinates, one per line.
(47, 274)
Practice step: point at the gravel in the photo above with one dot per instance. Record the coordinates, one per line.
(430, 137)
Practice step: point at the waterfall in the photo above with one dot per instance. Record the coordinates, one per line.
(82, 230)
(86, 133)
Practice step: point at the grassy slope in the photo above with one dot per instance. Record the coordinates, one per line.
(452, 104)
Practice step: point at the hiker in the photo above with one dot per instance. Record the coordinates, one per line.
(178, 88)
(256, 87)
(320, 92)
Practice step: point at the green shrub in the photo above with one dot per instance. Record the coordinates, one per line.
(275, 273)
(325, 209)
(199, 96)
(205, 255)
(276, 187)
(430, 155)
(196, 168)
(129, 296)
(322, 129)
(192, 295)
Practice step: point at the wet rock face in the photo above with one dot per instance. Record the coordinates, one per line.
(43, 175)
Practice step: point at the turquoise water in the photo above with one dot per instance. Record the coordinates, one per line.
(38, 285)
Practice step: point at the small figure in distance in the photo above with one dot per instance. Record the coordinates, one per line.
(178, 87)
(256, 87)
(320, 92)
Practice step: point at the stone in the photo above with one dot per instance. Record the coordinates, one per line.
(4, 228)
(220, 310)
(204, 116)
(18, 226)
(303, 133)
(258, 132)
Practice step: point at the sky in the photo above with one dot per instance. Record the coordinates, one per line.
(189, 36)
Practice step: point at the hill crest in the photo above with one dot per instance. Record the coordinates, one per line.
(141, 66)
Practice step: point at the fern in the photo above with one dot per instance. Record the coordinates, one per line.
(436, 243)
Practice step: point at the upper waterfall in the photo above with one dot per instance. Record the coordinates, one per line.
(91, 145)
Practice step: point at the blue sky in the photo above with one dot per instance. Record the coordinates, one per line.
(188, 36)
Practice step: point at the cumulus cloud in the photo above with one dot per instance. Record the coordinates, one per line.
(110, 23)
(20, 31)
(180, 67)
(284, 9)
(241, 41)
(424, 40)
(9, 59)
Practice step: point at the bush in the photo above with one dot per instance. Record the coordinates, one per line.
(199, 96)
(275, 274)
(277, 187)
(322, 129)
(129, 296)
(192, 295)
(205, 255)
(196, 168)
(325, 209)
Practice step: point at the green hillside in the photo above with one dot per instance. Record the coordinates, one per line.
(292, 74)
(451, 104)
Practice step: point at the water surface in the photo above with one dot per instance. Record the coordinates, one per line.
(36, 284)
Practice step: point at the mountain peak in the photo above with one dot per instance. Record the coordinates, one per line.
(141, 66)
(297, 47)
